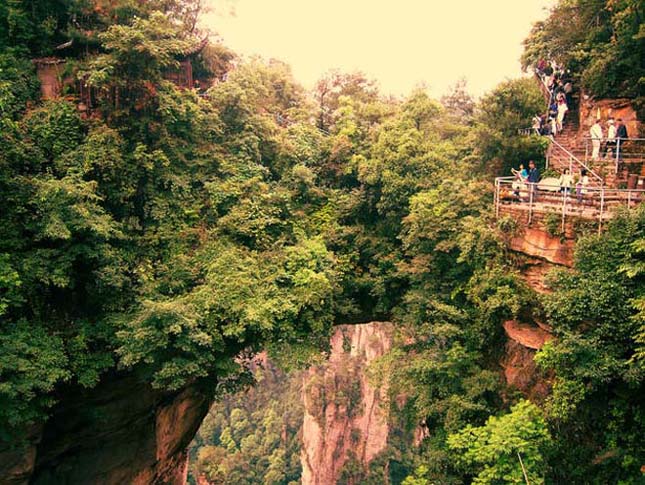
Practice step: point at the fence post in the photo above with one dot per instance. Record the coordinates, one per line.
(586, 149)
(496, 199)
(616, 156)
(602, 206)
(618, 140)
(548, 155)
(531, 189)
(629, 199)
(565, 196)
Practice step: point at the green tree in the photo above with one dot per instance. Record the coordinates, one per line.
(507, 448)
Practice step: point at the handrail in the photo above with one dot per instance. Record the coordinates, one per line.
(589, 137)
(543, 83)
(573, 157)
(623, 148)
(588, 188)
(534, 193)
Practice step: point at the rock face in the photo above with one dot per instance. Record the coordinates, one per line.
(534, 271)
(538, 243)
(120, 432)
(519, 367)
(345, 416)
(591, 108)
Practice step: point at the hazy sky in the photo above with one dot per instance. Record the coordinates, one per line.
(399, 43)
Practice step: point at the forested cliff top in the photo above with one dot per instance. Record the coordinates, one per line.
(163, 230)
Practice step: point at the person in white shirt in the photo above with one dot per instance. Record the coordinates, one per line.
(566, 181)
(611, 138)
(596, 138)
(562, 111)
(554, 126)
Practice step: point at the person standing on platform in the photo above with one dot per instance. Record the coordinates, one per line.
(596, 138)
(621, 136)
(611, 138)
(533, 178)
(566, 182)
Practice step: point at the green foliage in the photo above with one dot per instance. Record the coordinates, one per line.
(32, 362)
(599, 378)
(492, 452)
(18, 85)
(509, 107)
(600, 41)
(253, 436)
(553, 224)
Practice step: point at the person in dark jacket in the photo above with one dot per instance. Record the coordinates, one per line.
(621, 135)
(533, 178)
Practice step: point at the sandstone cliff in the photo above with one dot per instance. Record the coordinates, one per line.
(345, 418)
(120, 432)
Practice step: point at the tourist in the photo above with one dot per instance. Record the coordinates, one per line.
(581, 186)
(553, 126)
(562, 111)
(520, 179)
(621, 135)
(610, 144)
(537, 124)
(541, 65)
(568, 89)
(596, 138)
(533, 178)
(566, 182)
(521, 174)
(544, 126)
(553, 109)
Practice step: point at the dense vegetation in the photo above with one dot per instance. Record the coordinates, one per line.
(600, 41)
(253, 436)
(169, 232)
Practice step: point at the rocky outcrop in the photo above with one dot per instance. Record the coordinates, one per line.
(17, 462)
(592, 109)
(535, 271)
(538, 243)
(527, 335)
(122, 431)
(519, 367)
(345, 416)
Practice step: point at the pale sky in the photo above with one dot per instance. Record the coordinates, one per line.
(401, 44)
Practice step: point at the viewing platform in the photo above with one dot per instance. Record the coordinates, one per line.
(545, 221)
(596, 204)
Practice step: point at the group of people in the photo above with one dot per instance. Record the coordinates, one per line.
(615, 134)
(529, 179)
(525, 178)
(560, 89)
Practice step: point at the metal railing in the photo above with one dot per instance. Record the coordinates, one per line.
(626, 150)
(527, 131)
(587, 202)
(572, 158)
(549, 96)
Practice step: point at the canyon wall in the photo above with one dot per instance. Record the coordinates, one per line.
(120, 432)
(345, 415)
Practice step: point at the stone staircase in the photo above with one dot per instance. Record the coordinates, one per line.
(572, 142)
(568, 152)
